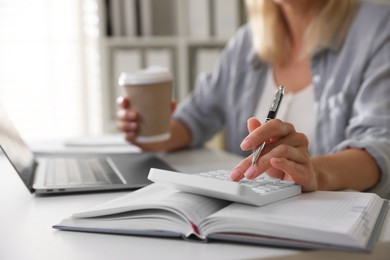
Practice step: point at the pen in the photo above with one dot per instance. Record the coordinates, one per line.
(271, 115)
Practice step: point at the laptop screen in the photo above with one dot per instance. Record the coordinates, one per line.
(16, 150)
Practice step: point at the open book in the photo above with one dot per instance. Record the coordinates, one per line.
(326, 220)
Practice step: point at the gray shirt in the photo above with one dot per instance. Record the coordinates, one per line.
(351, 86)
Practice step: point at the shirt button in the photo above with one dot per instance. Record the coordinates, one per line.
(316, 78)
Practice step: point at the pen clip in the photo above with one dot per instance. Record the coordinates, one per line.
(277, 99)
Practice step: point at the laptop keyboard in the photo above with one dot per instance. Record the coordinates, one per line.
(79, 172)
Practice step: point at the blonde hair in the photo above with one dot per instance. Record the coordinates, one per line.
(271, 37)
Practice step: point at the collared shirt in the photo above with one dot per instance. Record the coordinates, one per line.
(351, 86)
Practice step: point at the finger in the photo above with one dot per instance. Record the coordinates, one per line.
(130, 137)
(173, 106)
(296, 172)
(295, 154)
(127, 115)
(127, 126)
(252, 172)
(123, 102)
(238, 172)
(275, 173)
(274, 129)
(293, 169)
(294, 140)
(252, 124)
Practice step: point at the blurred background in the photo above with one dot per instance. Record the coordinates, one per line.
(60, 60)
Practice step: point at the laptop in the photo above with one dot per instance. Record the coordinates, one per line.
(57, 173)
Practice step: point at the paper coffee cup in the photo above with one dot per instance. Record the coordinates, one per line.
(149, 92)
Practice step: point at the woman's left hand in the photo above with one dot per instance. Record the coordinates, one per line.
(285, 155)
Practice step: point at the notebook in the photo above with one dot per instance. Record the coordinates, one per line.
(55, 173)
(348, 221)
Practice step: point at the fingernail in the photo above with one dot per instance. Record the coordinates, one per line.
(119, 100)
(250, 173)
(246, 144)
(235, 174)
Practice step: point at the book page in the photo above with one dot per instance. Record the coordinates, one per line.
(192, 208)
(324, 217)
(145, 222)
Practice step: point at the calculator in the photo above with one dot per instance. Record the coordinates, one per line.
(217, 184)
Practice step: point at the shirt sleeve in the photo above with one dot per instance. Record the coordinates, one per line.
(204, 110)
(369, 125)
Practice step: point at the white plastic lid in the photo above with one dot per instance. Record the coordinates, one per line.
(147, 76)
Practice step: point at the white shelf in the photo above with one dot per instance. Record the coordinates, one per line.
(163, 41)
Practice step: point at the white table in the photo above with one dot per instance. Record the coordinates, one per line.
(26, 220)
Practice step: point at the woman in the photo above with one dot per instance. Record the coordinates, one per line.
(333, 57)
